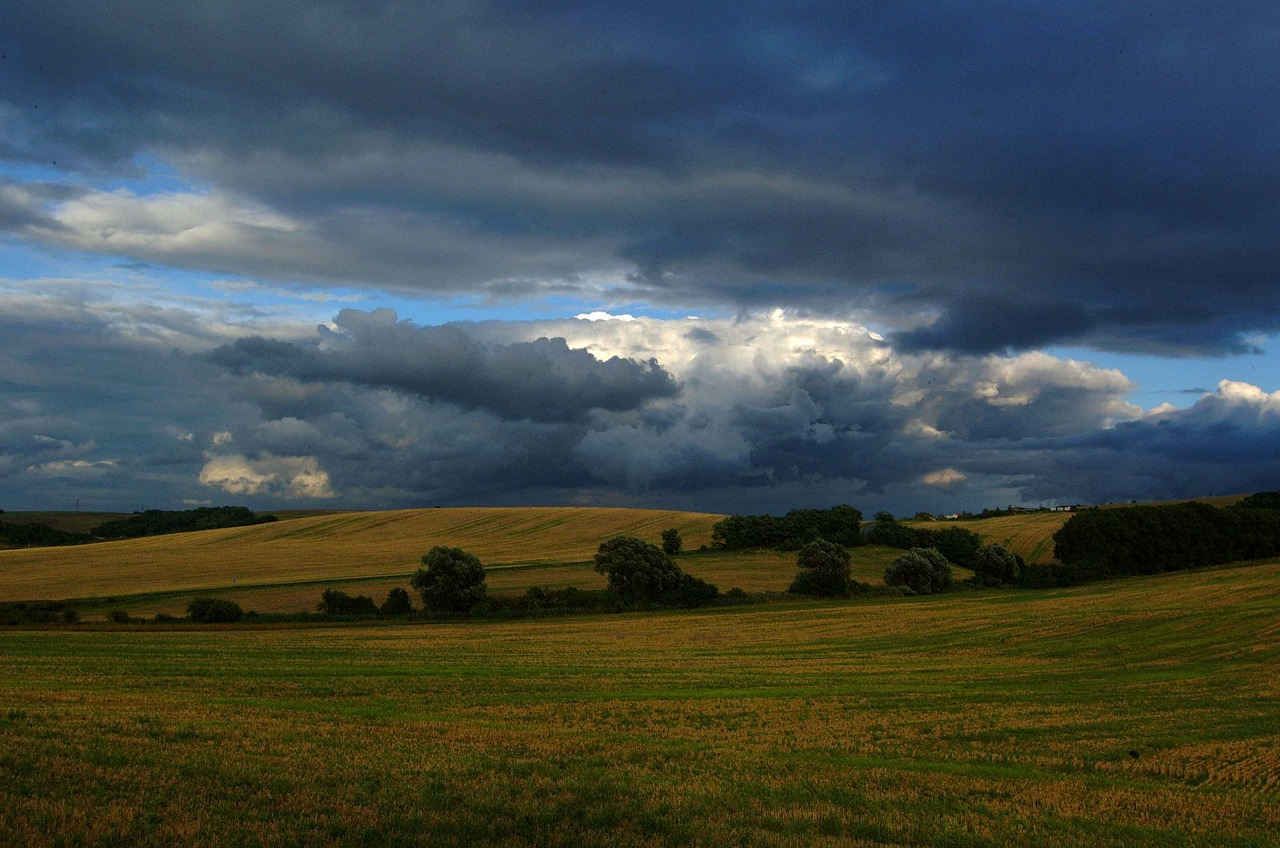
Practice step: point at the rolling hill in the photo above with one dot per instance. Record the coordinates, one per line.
(342, 546)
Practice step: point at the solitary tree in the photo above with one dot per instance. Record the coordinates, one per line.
(995, 565)
(639, 571)
(453, 580)
(922, 570)
(824, 571)
(671, 541)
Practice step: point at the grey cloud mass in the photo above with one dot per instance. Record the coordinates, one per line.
(762, 413)
(541, 380)
(1104, 173)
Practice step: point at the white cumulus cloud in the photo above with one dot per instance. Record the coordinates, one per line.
(296, 477)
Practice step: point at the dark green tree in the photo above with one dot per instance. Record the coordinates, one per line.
(996, 566)
(887, 531)
(397, 603)
(637, 570)
(922, 570)
(335, 602)
(453, 580)
(957, 544)
(671, 541)
(824, 571)
(214, 611)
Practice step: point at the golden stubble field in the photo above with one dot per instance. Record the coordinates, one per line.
(1029, 535)
(284, 567)
(330, 547)
(1135, 712)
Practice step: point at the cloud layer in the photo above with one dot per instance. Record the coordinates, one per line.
(763, 413)
(540, 380)
(1105, 174)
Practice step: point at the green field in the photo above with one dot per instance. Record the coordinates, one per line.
(1134, 712)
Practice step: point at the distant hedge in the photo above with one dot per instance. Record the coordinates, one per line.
(1098, 543)
(37, 612)
(839, 524)
(159, 522)
(35, 535)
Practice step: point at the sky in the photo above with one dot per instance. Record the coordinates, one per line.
(740, 257)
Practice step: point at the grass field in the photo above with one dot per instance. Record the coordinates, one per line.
(1129, 713)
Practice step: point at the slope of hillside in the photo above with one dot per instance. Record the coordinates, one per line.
(341, 546)
(1029, 535)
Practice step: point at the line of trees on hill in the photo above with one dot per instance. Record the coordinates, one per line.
(36, 535)
(160, 522)
(152, 522)
(1099, 543)
(840, 524)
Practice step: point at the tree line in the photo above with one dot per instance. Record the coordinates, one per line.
(840, 524)
(1151, 539)
(151, 522)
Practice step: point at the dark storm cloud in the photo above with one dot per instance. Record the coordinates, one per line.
(755, 414)
(980, 324)
(1029, 174)
(541, 380)
(1227, 443)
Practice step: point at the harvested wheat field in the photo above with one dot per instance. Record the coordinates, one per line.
(330, 547)
(1129, 713)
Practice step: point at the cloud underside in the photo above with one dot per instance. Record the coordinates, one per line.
(755, 414)
(979, 182)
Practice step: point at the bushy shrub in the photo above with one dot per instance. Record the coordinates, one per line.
(453, 580)
(118, 616)
(922, 570)
(887, 531)
(957, 544)
(691, 592)
(635, 569)
(397, 603)
(335, 602)
(824, 571)
(994, 565)
(671, 541)
(214, 611)
(639, 571)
